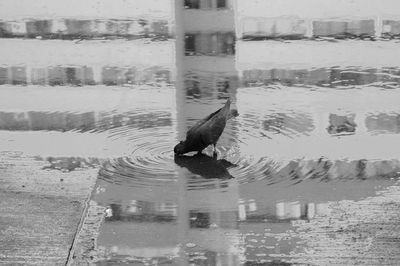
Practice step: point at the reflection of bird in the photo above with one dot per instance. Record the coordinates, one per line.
(205, 166)
(206, 131)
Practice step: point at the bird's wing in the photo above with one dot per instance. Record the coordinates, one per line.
(199, 123)
(222, 111)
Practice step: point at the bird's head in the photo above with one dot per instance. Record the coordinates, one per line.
(179, 148)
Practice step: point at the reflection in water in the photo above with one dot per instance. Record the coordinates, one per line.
(83, 75)
(271, 28)
(341, 124)
(206, 4)
(210, 43)
(307, 138)
(18, 75)
(244, 204)
(205, 166)
(200, 85)
(288, 124)
(73, 28)
(82, 122)
(68, 164)
(383, 123)
(391, 29)
(323, 77)
(143, 211)
(344, 29)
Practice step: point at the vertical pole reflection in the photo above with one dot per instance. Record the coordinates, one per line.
(183, 212)
(179, 57)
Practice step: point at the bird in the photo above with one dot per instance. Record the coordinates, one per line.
(205, 166)
(206, 131)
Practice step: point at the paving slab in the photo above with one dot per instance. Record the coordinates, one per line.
(41, 209)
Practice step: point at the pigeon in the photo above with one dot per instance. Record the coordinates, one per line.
(206, 131)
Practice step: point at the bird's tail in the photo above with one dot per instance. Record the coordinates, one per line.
(233, 113)
(226, 109)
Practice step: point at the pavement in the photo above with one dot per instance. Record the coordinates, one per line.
(42, 209)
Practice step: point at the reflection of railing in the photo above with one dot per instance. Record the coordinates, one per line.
(217, 43)
(323, 77)
(80, 122)
(143, 211)
(82, 75)
(87, 29)
(206, 4)
(201, 85)
(139, 211)
(308, 19)
(295, 28)
(269, 207)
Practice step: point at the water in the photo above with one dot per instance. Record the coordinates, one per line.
(316, 141)
(304, 140)
(292, 152)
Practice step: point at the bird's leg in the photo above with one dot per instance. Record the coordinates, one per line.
(215, 151)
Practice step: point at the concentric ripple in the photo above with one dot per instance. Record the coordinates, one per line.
(256, 146)
(152, 163)
(151, 160)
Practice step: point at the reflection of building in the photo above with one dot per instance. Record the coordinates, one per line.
(287, 123)
(61, 19)
(86, 28)
(81, 122)
(254, 19)
(305, 19)
(341, 124)
(197, 79)
(230, 225)
(322, 77)
(84, 75)
(383, 123)
(209, 37)
(206, 58)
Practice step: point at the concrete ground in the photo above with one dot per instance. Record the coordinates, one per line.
(41, 209)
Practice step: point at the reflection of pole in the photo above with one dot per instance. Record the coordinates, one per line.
(179, 54)
(310, 210)
(183, 212)
(241, 210)
(97, 75)
(378, 25)
(28, 75)
(360, 120)
(280, 210)
(309, 28)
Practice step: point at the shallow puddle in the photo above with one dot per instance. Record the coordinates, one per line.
(310, 161)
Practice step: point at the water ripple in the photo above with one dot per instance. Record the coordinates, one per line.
(150, 163)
